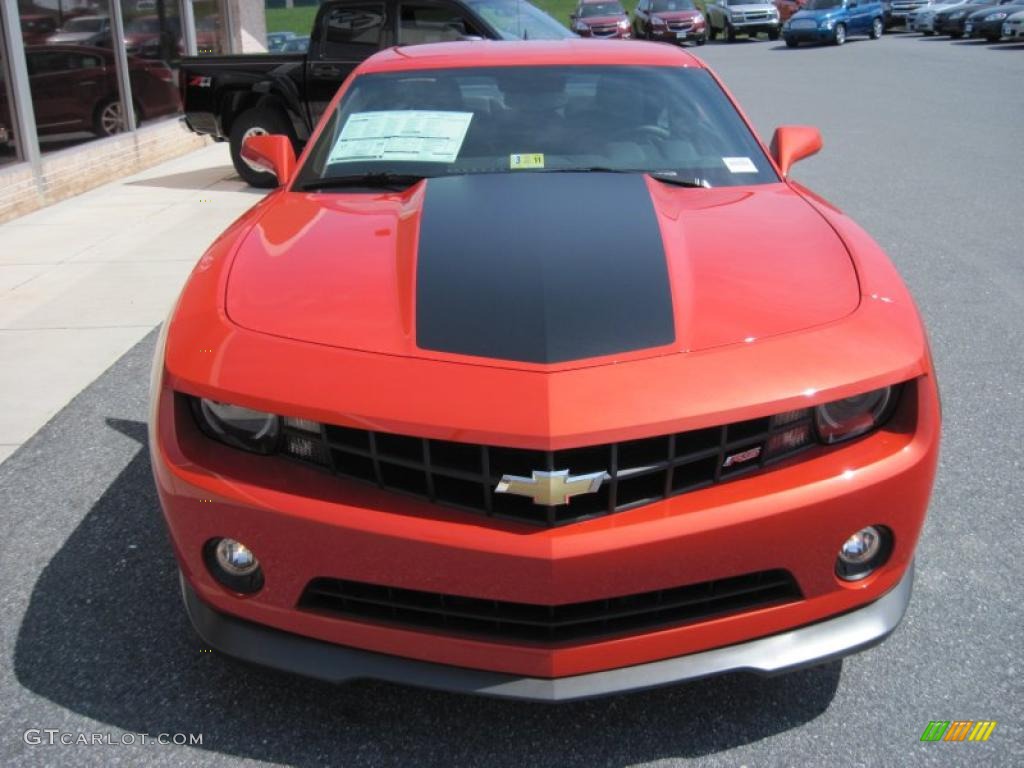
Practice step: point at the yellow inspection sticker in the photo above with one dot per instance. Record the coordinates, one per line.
(517, 162)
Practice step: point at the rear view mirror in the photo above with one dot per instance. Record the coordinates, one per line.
(273, 153)
(792, 143)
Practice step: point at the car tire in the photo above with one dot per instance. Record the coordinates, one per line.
(993, 38)
(877, 28)
(712, 31)
(929, 33)
(730, 34)
(258, 121)
(955, 35)
(107, 119)
(839, 34)
(702, 40)
(790, 42)
(773, 34)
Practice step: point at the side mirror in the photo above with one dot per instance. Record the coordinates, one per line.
(273, 153)
(794, 142)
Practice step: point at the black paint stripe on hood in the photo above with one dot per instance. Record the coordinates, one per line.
(541, 267)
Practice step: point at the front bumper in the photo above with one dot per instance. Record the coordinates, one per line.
(754, 27)
(683, 35)
(784, 652)
(809, 34)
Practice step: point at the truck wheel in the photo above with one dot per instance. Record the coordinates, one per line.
(790, 42)
(712, 31)
(256, 122)
(773, 34)
(730, 33)
(876, 29)
(839, 36)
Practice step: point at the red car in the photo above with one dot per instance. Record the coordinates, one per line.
(669, 21)
(600, 18)
(787, 8)
(538, 377)
(74, 89)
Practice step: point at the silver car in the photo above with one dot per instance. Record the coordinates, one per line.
(923, 19)
(748, 17)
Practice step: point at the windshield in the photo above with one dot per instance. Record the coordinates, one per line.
(673, 121)
(519, 20)
(600, 9)
(661, 6)
(821, 5)
(84, 25)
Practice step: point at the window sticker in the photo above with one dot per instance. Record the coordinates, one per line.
(533, 160)
(410, 135)
(740, 164)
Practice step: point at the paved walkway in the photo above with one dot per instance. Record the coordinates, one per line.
(82, 281)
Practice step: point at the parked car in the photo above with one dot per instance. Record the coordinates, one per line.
(987, 23)
(899, 12)
(1013, 27)
(74, 88)
(670, 21)
(37, 27)
(951, 21)
(833, 21)
(276, 40)
(748, 17)
(787, 8)
(418, 451)
(83, 30)
(600, 18)
(923, 19)
(298, 44)
(231, 97)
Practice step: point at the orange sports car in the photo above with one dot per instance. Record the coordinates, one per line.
(538, 377)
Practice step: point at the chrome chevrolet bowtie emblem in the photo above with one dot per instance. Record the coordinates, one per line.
(551, 488)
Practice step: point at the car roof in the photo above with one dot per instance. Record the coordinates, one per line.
(524, 53)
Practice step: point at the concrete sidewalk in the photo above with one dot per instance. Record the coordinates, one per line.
(82, 281)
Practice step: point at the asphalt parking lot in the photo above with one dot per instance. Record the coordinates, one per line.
(923, 142)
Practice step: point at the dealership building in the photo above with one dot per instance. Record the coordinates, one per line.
(90, 89)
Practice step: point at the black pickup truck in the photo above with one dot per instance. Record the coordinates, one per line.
(232, 97)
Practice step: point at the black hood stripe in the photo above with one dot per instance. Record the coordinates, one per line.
(541, 267)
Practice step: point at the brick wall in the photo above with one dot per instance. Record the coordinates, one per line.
(71, 171)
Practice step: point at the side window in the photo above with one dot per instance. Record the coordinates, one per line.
(431, 24)
(349, 28)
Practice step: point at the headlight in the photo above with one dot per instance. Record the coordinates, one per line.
(624, 24)
(957, 15)
(996, 16)
(852, 416)
(827, 24)
(238, 427)
(581, 27)
(657, 21)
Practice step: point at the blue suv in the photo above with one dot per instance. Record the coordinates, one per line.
(833, 21)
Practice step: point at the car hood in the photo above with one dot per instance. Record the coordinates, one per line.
(752, 7)
(563, 270)
(71, 37)
(612, 19)
(817, 15)
(676, 15)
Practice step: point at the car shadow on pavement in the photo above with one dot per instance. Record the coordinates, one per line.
(199, 179)
(105, 636)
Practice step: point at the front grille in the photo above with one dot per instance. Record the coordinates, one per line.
(464, 475)
(755, 15)
(603, 31)
(548, 624)
(680, 26)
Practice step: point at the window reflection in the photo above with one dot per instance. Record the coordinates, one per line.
(211, 27)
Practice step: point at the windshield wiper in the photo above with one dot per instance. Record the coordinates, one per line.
(375, 180)
(659, 175)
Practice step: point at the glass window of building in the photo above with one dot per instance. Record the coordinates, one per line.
(73, 72)
(8, 150)
(212, 38)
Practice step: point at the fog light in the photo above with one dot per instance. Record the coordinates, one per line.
(863, 552)
(233, 564)
(234, 557)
